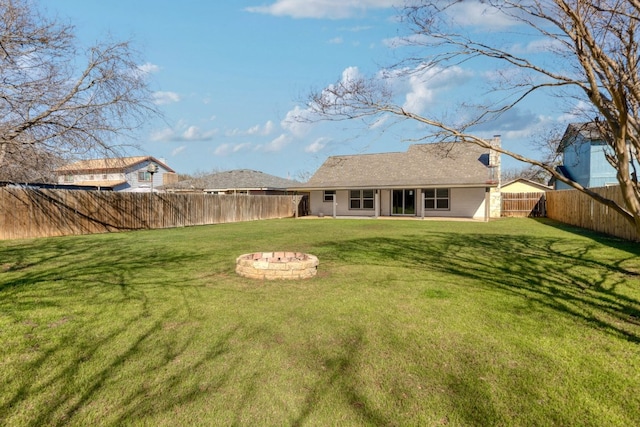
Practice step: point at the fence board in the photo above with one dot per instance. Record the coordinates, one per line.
(576, 208)
(522, 204)
(28, 213)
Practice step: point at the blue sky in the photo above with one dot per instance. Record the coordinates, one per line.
(229, 75)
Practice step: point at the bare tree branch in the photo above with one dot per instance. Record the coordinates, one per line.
(51, 108)
(596, 50)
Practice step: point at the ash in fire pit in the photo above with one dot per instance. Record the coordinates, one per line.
(277, 265)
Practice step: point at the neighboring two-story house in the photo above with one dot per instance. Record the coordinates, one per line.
(140, 174)
(583, 158)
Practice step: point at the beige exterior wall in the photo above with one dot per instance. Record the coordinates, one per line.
(521, 187)
(92, 177)
(464, 203)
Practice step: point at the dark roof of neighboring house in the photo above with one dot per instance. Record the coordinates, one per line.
(437, 164)
(240, 179)
(109, 164)
(588, 131)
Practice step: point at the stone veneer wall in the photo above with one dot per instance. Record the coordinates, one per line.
(495, 203)
(277, 265)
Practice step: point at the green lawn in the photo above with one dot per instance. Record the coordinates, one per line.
(407, 323)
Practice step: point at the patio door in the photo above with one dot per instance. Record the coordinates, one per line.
(404, 202)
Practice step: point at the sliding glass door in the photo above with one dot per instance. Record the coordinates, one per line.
(404, 202)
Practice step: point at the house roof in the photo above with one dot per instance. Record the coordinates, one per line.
(526, 181)
(437, 164)
(109, 164)
(588, 131)
(239, 179)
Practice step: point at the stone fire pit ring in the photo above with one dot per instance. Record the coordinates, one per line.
(277, 265)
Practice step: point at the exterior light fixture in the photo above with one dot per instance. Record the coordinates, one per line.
(152, 168)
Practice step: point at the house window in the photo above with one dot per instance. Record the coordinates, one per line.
(329, 195)
(361, 199)
(144, 176)
(436, 199)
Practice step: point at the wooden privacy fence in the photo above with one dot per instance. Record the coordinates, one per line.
(27, 213)
(523, 204)
(576, 208)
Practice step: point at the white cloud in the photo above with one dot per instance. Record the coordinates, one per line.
(323, 9)
(259, 130)
(479, 13)
(410, 40)
(317, 145)
(148, 68)
(162, 135)
(419, 96)
(278, 144)
(265, 130)
(538, 46)
(421, 84)
(191, 133)
(336, 40)
(298, 121)
(227, 149)
(351, 74)
(178, 150)
(194, 133)
(579, 112)
(164, 98)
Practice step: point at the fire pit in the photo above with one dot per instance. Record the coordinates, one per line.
(277, 265)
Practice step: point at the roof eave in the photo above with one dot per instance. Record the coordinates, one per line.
(391, 187)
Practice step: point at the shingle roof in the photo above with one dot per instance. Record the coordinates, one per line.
(526, 181)
(240, 179)
(109, 164)
(458, 164)
(589, 132)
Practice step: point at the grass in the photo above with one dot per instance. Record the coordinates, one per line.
(513, 322)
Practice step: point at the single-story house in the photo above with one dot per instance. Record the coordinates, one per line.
(523, 185)
(523, 198)
(139, 174)
(240, 181)
(428, 180)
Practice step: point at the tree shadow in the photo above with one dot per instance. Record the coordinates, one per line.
(59, 377)
(562, 274)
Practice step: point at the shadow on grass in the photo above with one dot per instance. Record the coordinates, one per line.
(570, 276)
(593, 280)
(80, 320)
(67, 366)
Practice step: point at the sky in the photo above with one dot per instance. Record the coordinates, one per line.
(229, 76)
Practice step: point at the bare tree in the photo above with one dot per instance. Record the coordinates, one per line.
(29, 165)
(595, 50)
(52, 106)
(530, 172)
